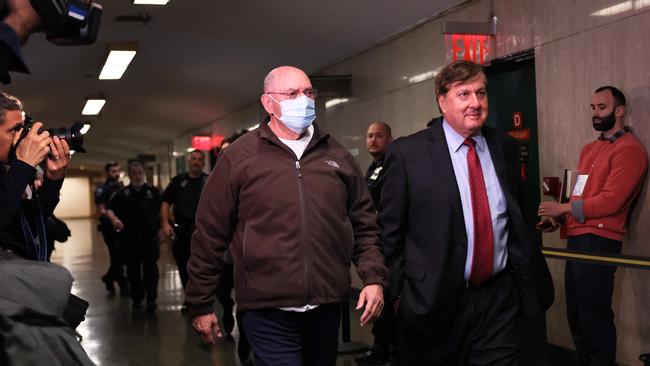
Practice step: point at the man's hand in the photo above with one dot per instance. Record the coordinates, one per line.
(550, 208)
(34, 147)
(118, 225)
(166, 232)
(373, 298)
(547, 224)
(22, 18)
(208, 327)
(58, 160)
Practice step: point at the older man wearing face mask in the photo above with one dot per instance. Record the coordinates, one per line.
(295, 209)
(134, 212)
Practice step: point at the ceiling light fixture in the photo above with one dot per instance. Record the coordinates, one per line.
(84, 130)
(119, 57)
(150, 2)
(93, 106)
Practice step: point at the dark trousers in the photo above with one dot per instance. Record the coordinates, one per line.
(384, 329)
(142, 268)
(181, 250)
(115, 270)
(483, 332)
(288, 338)
(589, 289)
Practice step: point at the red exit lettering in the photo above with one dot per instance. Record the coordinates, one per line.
(475, 48)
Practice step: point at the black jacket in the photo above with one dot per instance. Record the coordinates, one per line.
(424, 237)
(12, 186)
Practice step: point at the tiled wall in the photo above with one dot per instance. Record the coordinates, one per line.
(575, 53)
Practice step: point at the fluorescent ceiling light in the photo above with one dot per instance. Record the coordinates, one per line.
(150, 2)
(84, 130)
(190, 149)
(336, 101)
(93, 107)
(422, 77)
(640, 4)
(614, 9)
(116, 64)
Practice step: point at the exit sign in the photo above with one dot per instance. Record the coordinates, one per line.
(470, 47)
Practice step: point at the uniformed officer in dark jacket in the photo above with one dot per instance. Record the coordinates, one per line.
(183, 194)
(378, 136)
(103, 194)
(134, 211)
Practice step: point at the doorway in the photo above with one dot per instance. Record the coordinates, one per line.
(513, 109)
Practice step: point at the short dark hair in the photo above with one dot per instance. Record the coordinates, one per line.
(198, 151)
(458, 71)
(133, 164)
(8, 103)
(619, 97)
(109, 165)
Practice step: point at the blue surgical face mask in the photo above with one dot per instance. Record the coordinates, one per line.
(297, 114)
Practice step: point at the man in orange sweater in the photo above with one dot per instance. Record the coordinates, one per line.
(611, 171)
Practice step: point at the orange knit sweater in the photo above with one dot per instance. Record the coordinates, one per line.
(616, 171)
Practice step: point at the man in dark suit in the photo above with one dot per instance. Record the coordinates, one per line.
(463, 262)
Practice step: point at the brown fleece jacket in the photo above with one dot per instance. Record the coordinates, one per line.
(293, 226)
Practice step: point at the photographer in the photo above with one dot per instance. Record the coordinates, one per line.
(16, 27)
(22, 212)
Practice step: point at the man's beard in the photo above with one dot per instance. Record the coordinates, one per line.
(606, 123)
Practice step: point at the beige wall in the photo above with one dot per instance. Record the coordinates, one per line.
(75, 199)
(575, 53)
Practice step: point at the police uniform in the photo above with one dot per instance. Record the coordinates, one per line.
(115, 271)
(183, 194)
(139, 211)
(373, 179)
(384, 328)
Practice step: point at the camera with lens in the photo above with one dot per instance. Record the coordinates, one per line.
(73, 135)
(66, 22)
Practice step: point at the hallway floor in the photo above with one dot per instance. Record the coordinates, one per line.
(114, 335)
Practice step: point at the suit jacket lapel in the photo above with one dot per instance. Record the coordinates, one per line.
(442, 161)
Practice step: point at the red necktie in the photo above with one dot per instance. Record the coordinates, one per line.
(483, 236)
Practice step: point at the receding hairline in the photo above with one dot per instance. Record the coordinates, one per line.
(385, 125)
(270, 78)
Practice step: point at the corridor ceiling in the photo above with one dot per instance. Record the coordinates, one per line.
(197, 61)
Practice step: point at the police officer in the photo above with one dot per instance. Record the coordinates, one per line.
(378, 137)
(134, 212)
(103, 194)
(183, 194)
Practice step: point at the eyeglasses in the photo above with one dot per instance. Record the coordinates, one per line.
(293, 94)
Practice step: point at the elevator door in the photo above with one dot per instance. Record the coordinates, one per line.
(512, 109)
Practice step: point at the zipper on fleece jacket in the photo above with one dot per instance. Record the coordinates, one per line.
(302, 229)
